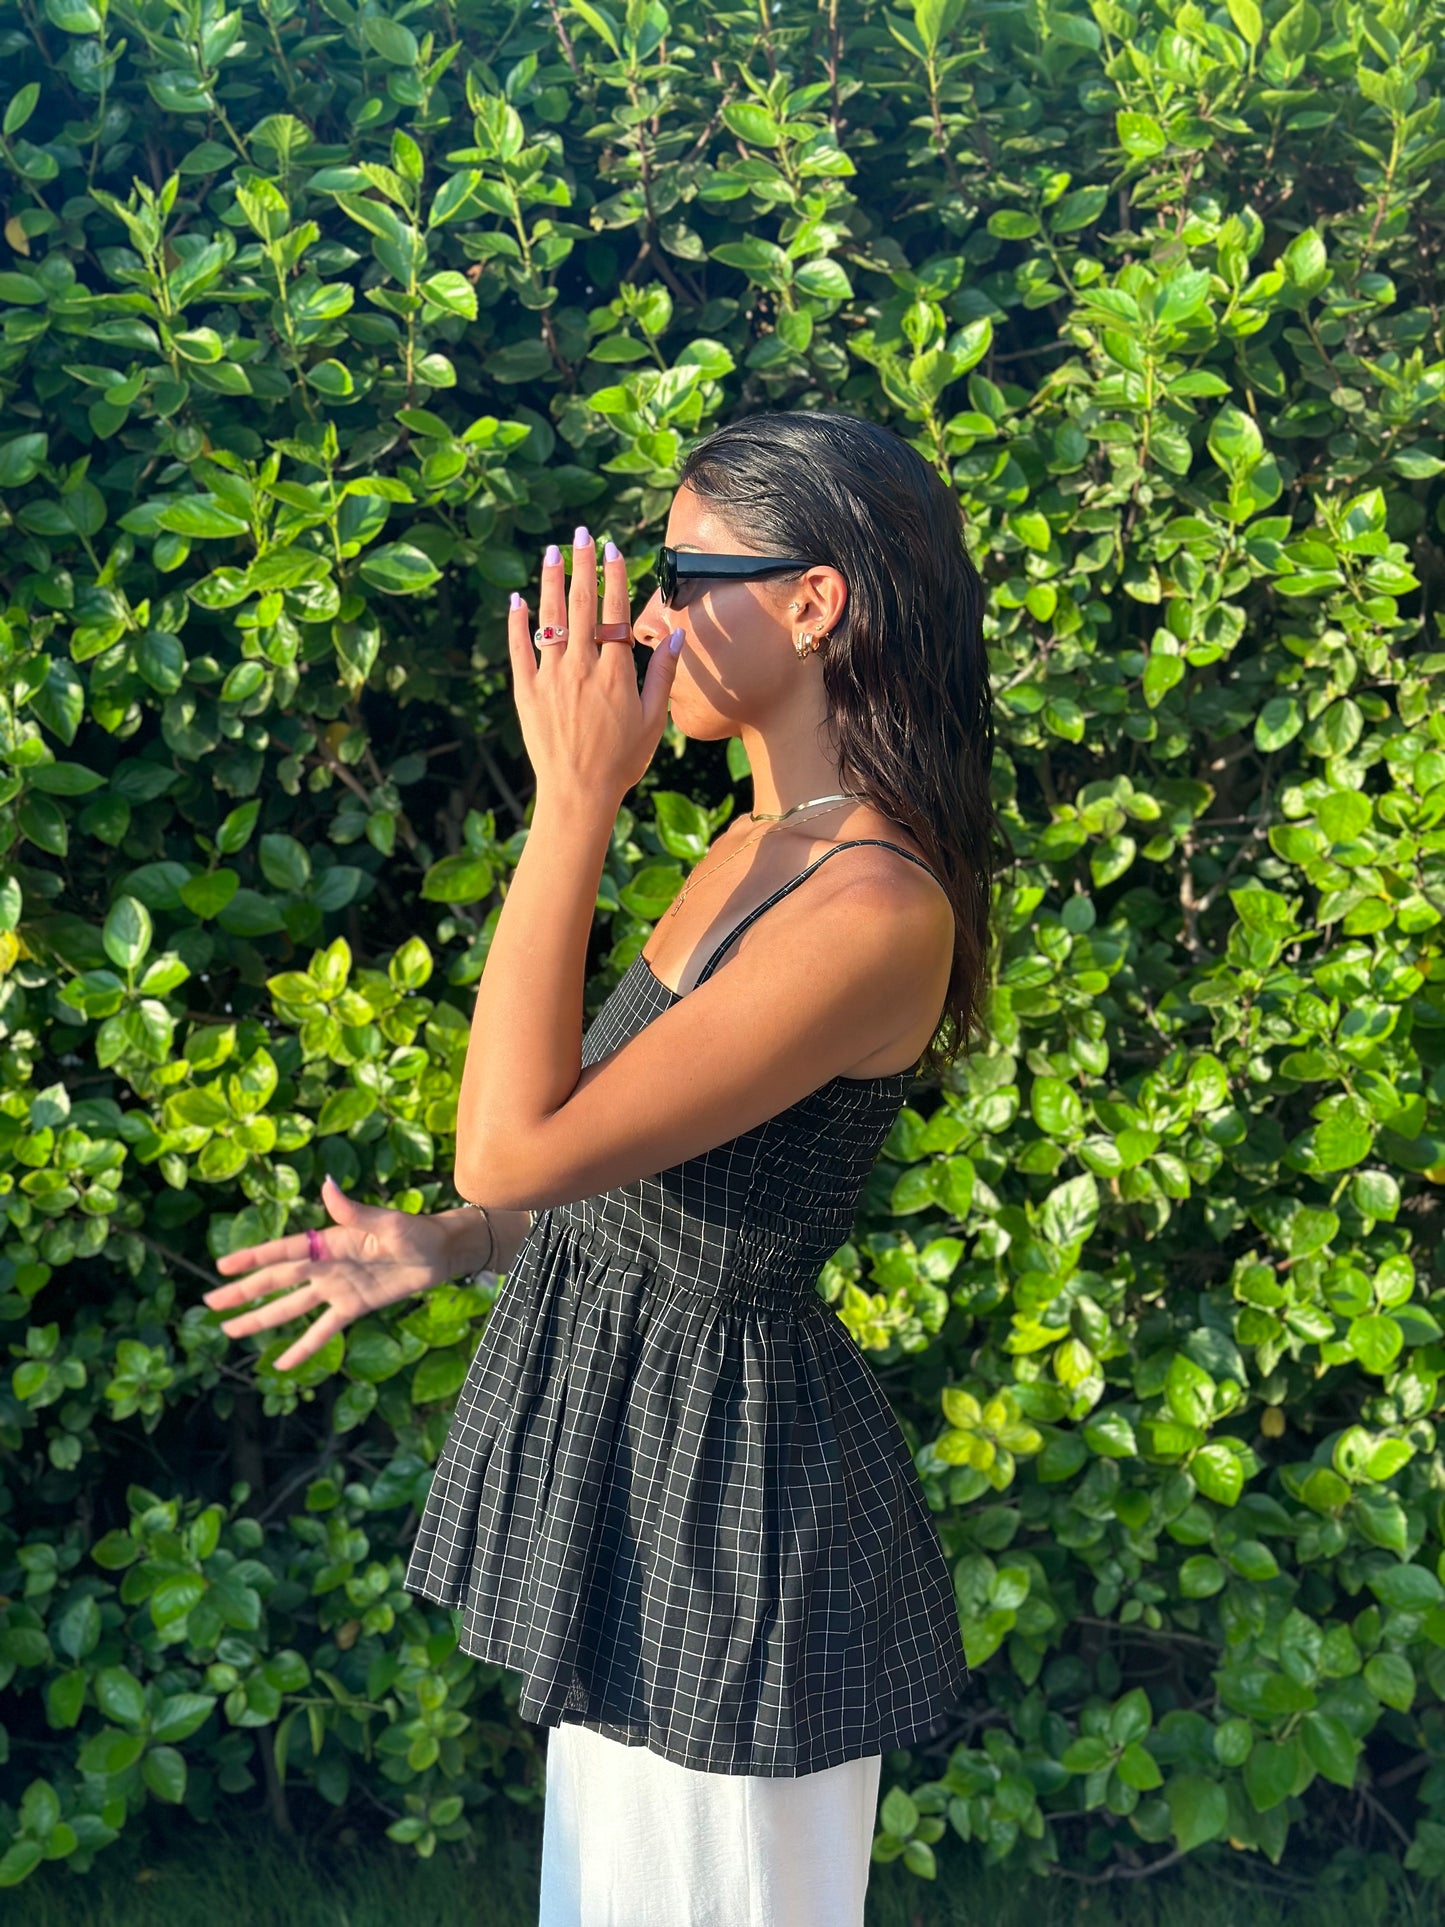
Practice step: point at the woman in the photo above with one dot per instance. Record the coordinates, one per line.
(674, 1497)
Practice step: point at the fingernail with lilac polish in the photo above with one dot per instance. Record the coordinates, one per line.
(516, 600)
(580, 537)
(553, 555)
(612, 553)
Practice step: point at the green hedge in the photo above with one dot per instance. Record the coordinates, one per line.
(317, 324)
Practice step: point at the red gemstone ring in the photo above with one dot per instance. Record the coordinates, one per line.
(315, 1246)
(550, 632)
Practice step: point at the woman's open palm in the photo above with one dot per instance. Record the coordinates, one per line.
(374, 1256)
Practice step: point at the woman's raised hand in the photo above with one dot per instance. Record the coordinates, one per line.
(587, 727)
(372, 1257)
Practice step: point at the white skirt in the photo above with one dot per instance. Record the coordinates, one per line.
(630, 1839)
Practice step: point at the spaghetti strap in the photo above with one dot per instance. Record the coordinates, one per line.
(792, 884)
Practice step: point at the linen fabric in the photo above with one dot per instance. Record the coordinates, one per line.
(674, 1497)
(631, 1840)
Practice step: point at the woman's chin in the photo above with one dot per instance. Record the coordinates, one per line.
(698, 721)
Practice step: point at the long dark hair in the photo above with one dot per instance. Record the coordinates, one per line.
(905, 671)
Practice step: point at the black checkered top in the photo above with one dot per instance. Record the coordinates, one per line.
(674, 1497)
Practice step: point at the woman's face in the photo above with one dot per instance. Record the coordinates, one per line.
(738, 663)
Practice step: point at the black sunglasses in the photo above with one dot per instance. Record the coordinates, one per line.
(674, 565)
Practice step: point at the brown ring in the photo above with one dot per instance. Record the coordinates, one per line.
(613, 632)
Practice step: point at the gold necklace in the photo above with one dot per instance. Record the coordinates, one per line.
(842, 796)
(765, 818)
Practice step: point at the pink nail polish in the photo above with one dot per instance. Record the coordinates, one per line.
(553, 556)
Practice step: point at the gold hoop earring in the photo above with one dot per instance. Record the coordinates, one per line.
(807, 643)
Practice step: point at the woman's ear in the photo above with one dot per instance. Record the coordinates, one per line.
(822, 597)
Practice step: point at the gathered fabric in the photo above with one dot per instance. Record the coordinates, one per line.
(674, 1497)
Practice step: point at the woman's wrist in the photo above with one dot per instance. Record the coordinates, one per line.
(470, 1246)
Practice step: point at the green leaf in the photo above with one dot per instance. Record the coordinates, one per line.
(459, 879)
(285, 863)
(164, 1772)
(207, 896)
(439, 1375)
(236, 827)
(1198, 1809)
(20, 1858)
(935, 20)
(110, 1751)
(1270, 1772)
(1391, 1678)
(1071, 1209)
(181, 1715)
(1331, 1747)
(1219, 1473)
(21, 106)
(389, 38)
(127, 933)
(1056, 1107)
(823, 279)
(1344, 1137)
(201, 516)
(77, 1631)
(600, 21)
(44, 824)
(73, 16)
(1201, 1576)
(1247, 18)
(453, 293)
(65, 779)
(174, 1597)
(1278, 723)
(344, 1110)
(1131, 1718)
(331, 379)
(1140, 135)
(1409, 1588)
(751, 123)
(21, 458)
(1376, 1341)
(65, 1696)
(1078, 209)
(1139, 1769)
(399, 569)
(119, 1695)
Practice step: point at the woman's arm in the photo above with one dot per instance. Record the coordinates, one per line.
(524, 1055)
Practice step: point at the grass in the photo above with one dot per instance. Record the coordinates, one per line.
(208, 1877)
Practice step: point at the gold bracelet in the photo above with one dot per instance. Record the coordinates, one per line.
(486, 1263)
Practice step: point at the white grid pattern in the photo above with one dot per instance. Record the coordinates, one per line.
(674, 1496)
